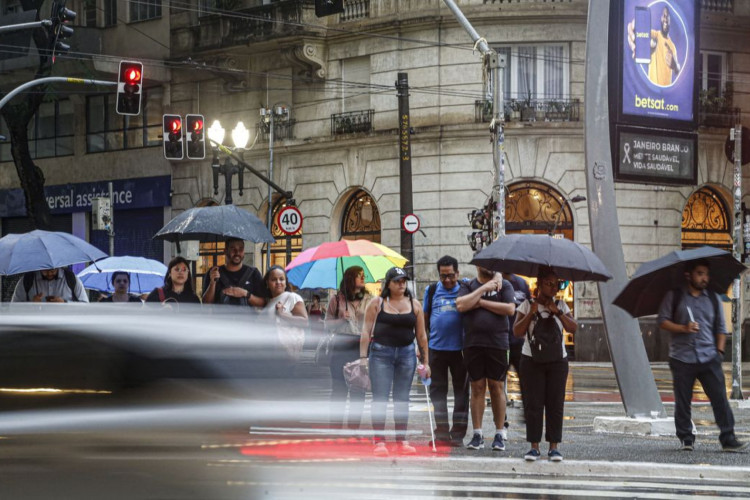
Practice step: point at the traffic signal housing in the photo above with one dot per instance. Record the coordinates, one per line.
(196, 137)
(172, 137)
(60, 16)
(129, 88)
(328, 7)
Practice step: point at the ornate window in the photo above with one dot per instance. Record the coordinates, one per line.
(705, 221)
(533, 207)
(209, 253)
(286, 246)
(361, 218)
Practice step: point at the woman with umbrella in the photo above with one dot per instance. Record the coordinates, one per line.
(345, 317)
(178, 285)
(289, 309)
(121, 284)
(392, 323)
(543, 379)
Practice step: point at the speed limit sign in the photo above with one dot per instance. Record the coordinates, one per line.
(289, 220)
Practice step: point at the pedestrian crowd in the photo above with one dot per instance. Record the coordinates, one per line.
(465, 334)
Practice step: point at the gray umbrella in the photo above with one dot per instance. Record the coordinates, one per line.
(37, 250)
(215, 223)
(644, 292)
(525, 253)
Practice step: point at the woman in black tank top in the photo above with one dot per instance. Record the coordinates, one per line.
(392, 323)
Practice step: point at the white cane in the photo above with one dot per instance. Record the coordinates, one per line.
(426, 383)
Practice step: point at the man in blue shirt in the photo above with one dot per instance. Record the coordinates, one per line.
(446, 344)
(696, 350)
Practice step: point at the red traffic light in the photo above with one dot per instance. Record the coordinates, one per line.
(132, 75)
(197, 126)
(174, 126)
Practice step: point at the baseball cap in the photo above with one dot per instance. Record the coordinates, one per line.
(395, 273)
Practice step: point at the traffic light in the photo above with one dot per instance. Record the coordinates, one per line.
(129, 88)
(196, 137)
(59, 16)
(328, 7)
(172, 137)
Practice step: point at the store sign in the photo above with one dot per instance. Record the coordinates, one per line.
(656, 156)
(142, 192)
(658, 43)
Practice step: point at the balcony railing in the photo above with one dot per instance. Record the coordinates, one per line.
(281, 130)
(352, 122)
(549, 110)
(355, 9)
(717, 5)
(718, 118)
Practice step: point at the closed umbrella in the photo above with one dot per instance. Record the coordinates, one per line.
(323, 266)
(525, 253)
(215, 223)
(649, 284)
(145, 274)
(38, 249)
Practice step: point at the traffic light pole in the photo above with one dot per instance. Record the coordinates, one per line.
(736, 285)
(52, 79)
(25, 26)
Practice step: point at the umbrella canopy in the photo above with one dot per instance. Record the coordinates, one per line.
(525, 253)
(323, 266)
(215, 223)
(37, 250)
(644, 292)
(145, 274)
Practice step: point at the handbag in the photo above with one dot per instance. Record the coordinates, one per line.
(356, 377)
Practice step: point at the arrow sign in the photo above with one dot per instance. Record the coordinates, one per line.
(411, 223)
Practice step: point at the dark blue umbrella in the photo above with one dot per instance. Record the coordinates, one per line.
(644, 292)
(213, 224)
(37, 250)
(525, 253)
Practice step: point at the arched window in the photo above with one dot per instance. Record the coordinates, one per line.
(533, 207)
(705, 220)
(209, 254)
(361, 219)
(286, 246)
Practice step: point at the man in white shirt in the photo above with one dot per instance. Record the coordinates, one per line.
(50, 285)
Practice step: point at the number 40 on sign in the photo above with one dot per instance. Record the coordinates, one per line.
(289, 220)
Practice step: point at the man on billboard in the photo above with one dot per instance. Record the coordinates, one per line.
(663, 66)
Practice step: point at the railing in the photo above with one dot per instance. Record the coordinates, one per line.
(281, 130)
(717, 5)
(719, 118)
(355, 9)
(550, 110)
(352, 122)
(528, 1)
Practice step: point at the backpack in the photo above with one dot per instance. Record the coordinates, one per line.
(70, 280)
(546, 339)
(677, 298)
(427, 307)
(226, 299)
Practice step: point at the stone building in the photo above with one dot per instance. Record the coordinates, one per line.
(335, 145)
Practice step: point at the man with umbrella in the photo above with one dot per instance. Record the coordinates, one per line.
(50, 285)
(234, 283)
(698, 333)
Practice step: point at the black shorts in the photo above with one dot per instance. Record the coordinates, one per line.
(486, 362)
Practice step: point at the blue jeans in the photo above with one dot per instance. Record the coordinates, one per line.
(391, 367)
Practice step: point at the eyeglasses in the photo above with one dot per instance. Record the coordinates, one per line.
(448, 276)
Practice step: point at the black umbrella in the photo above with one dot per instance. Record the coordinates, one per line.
(642, 296)
(526, 253)
(210, 224)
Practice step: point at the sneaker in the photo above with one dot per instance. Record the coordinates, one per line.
(687, 445)
(380, 450)
(497, 443)
(554, 456)
(476, 443)
(733, 445)
(532, 455)
(504, 433)
(406, 449)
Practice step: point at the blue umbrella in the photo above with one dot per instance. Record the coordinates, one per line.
(37, 250)
(145, 274)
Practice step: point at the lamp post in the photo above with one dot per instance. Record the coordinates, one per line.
(240, 136)
(268, 116)
(557, 215)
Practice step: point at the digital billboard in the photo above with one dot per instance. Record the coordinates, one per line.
(654, 156)
(658, 44)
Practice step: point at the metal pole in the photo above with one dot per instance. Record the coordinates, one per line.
(736, 286)
(270, 203)
(405, 198)
(51, 79)
(496, 64)
(111, 231)
(465, 24)
(23, 26)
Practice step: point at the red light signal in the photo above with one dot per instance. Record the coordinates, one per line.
(196, 139)
(129, 88)
(172, 137)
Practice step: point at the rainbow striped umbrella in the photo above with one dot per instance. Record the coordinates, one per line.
(323, 266)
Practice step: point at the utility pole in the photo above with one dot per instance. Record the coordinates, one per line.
(404, 157)
(495, 65)
(111, 230)
(736, 285)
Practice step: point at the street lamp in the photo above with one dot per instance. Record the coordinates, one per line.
(557, 215)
